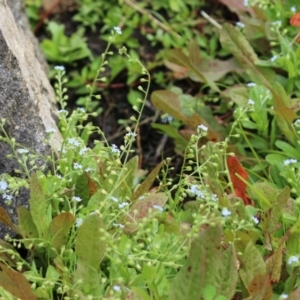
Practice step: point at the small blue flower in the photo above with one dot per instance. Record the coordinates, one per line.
(158, 207)
(78, 222)
(202, 127)
(293, 9)
(194, 190)
(166, 118)
(50, 130)
(255, 220)
(290, 161)
(117, 288)
(81, 109)
(118, 30)
(77, 199)
(62, 111)
(293, 259)
(73, 142)
(22, 151)
(251, 102)
(59, 68)
(251, 84)
(7, 196)
(115, 199)
(77, 166)
(118, 225)
(114, 149)
(273, 58)
(226, 212)
(297, 122)
(240, 24)
(131, 134)
(123, 204)
(83, 150)
(214, 197)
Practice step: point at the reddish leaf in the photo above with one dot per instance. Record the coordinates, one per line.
(260, 288)
(92, 185)
(4, 218)
(15, 283)
(236, 171)
(295, 19)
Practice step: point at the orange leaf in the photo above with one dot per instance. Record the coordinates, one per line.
(239, 186)
(295, 19)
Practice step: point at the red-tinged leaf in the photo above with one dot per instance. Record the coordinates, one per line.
(239, 186)
(295, 19)
(4, 218)
(236, 6)
(273, 264)
(260, 288)
(270, 218)
(295, 295)
(252, 264)
(215, 69)
(227, 277)
(176, 56)
(15, 283)
(60, 227)
(141, 209)
(5, 256)
(147, 183)
(201, 267)
(92, 185)
(179, 72)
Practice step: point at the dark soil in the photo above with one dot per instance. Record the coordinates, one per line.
(151, 145)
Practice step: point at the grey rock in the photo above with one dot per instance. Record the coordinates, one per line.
(18, 9)
(27, 102)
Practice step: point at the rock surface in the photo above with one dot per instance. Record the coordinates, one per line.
(27, 100)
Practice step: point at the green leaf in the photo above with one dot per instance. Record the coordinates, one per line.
(168, 102)
(270, 219)
(145, 186)
(235, 42)
(15, 283)
(82, 188)
(127, 176)
(27, 226)
(90, 249)
(59, 228)
(52, 273)
(201, 266)
(227, 277)
(252, 265)
(288, 150)
(293, 242)
(38, 207)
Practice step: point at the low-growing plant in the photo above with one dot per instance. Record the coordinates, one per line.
(98, 227)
